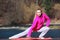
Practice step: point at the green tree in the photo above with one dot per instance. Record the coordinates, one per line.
(47, 4)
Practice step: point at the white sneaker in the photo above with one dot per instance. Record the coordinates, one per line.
(41, 37)
(12, 37)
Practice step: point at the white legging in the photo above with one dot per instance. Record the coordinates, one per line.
(43, 31)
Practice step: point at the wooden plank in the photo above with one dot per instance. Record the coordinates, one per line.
(32, 39)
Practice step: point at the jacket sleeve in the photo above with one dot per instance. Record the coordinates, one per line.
(32, 26)
(47, 19)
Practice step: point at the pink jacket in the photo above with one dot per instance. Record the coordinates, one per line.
(38, 22)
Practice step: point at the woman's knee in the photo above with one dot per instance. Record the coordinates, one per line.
(47, 28)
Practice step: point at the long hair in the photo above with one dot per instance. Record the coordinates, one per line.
(41, 11)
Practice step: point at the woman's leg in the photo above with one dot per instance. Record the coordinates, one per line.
(20, 34)
(44, 30)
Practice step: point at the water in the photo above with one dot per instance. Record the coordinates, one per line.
(6, 33)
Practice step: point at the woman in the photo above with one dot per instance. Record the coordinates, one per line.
(37, 25)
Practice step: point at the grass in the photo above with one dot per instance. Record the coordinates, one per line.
(55, 27)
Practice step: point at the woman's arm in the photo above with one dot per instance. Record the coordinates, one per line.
(47, 19)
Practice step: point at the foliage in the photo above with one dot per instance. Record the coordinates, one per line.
(47, 4)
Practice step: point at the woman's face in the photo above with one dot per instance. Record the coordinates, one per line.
(39, 12)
